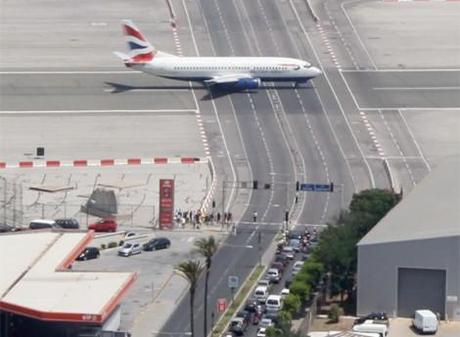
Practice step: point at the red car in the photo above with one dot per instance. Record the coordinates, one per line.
(104, 225)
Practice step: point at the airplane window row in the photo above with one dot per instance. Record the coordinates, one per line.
(229, 68)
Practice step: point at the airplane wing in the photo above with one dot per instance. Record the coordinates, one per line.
(234, 81)
(228, 79)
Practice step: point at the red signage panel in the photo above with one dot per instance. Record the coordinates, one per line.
(166, 203)
(221, 304)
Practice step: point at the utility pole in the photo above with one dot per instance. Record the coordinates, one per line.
(4, 198)
(259, 241)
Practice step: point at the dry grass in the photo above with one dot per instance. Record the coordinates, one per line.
(321, 324)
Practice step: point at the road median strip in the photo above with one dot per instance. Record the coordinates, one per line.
(241, 295)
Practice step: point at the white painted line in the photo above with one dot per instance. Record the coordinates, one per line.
(12, 112)
(412, 108)
(72, 72)
(399, 70)
(416, 88)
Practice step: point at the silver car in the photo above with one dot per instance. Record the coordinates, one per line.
(129, 249)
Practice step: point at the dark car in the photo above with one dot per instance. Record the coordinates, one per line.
(279, 266)
(156, 244)
(245, 315)
(69, 223)
(251, 305)
(282, 258)
(4, 228)
(379, 317)
(89, 253)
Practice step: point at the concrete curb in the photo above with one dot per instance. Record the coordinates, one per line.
(41, 163)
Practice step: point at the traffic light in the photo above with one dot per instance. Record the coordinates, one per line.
(297, 186)
(255, 184)
(213, 204)
(332, 187)
(286, 216)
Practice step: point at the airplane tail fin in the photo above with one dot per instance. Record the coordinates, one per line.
(140, 49)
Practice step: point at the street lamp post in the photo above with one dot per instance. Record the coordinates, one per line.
(4, 198)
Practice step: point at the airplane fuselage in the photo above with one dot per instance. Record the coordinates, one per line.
(206, 68)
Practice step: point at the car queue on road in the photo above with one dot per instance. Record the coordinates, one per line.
(261, 309)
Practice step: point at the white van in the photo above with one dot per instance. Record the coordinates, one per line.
(274, 303)
(261, 294)
(42, 223)
(425, 321)
(369, 326)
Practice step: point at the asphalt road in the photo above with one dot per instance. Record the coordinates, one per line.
(313, 134)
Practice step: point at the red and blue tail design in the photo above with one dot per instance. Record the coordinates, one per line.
(140, 50)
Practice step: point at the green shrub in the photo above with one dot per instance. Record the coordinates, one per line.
(121, 243)
(301, 289)
(112, 244)
(103, 246)
(292, 304)
(334, 313)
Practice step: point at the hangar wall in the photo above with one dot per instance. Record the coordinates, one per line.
(378, 271)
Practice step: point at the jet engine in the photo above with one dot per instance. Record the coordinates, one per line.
(248, 83)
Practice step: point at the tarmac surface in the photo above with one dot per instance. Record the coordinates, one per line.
(276, 135)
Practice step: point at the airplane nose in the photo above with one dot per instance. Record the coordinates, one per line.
(316, 71)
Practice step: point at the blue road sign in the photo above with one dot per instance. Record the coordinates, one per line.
(315, 187)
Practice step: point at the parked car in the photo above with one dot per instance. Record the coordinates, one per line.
(129, 249)
(156, 244)
(288, 252)
(279, 266)
(262, 332)
(104, 225)
(282, 258)
(425, 321)
(377, 317)
(68, 223)
(238, 326)
(265, 322)
(274, 303)
(273, 275)
(42, 224)
(264, 282)
(129, 235)
(284, 292)
(295, 244)
(251, 305)
(369, 327)
(261, 294)
(89, 253)
(297, 267)
(4, 228)
(245, 315)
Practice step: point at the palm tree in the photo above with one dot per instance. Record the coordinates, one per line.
(206, 248)
(191, 270)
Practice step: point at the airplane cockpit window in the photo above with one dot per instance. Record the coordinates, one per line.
(307, 65)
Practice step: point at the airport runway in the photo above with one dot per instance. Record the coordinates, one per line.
(348, 127)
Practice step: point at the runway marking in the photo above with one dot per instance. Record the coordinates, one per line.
(399, 70)
(412, 108)
(19, 112)
(146, 90)
(416, 88)
(67, 72)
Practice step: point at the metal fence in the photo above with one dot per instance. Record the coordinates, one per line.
(11, 211)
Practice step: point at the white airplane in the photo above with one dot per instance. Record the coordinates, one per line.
(238, 73)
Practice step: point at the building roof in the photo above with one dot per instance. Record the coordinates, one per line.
(430, 210)
(36, 280)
